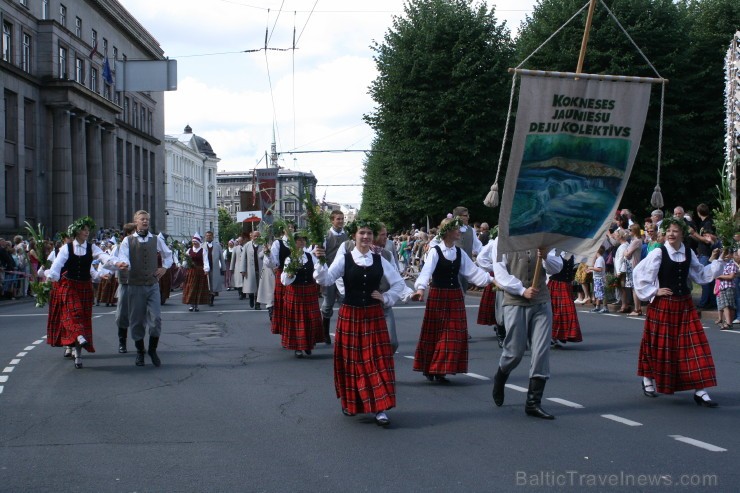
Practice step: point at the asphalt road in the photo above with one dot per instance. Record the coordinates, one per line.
(229, 410)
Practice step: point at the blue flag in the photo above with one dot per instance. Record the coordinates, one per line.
(107, 74)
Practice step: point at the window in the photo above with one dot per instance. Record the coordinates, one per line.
(8, 42)
(210, 175)
(290, 207)
(45, 9)
(210, 199)
(24, 3)
(105, 47)
(125, 109)
(62, 62)
(115, 56)
(29, 123)
(11, 116)
(228, 192)
(143, 118)
(94, 39)
(135, 115)
(26, 55)
(80, 71)
(106, 91)
(78, 27)
(94, 79)
(62, 15)
(218, 192)
(149, 122)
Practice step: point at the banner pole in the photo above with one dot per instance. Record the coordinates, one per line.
(586, 33)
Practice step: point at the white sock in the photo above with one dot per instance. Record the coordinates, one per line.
(81, 339)
(703, 394)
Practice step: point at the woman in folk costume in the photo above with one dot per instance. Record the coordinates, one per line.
(278, 253)
(229, 274)
(195, 290)
(303, 325)
(53, 322)
(487, 308)
(237, 280)
(565, 324)
(674, 352)
(108, 286)
(443, 342)
(364, 372)
(71, 268)
(266, 288)
(165, 282)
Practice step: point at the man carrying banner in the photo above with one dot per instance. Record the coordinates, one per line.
(527, 315)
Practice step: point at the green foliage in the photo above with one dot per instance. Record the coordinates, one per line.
(227, 227)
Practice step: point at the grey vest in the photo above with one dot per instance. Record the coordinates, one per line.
(466, 241)
(143, 257)
(332, 245)
(123, 274)
(521, 266)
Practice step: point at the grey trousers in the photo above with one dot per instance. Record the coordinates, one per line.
(331, 294)
(122, 307)
(390, 321)
(527, 323)
(144, 311)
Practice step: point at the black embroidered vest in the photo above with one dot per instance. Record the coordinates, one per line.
(446, 272)
(78, 268)
(360, 282)
(674, 275)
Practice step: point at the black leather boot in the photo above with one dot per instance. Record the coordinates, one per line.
(327, 336)
(499, 383)
(140, 350)
(500, 335)
(269, 312)
(122, 335)
(153, 343)
(251, 300)
(534, 399)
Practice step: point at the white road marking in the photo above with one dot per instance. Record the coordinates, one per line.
(619, 419)
(1, 389)
(39, 341)
(475, 375)
(8, 369)
(28, 348)
(697, 443)
(14, 362)
(3, 378)
(409, 357)
(516, 387)
(21, 354)
(564, 402)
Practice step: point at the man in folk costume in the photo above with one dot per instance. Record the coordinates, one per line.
(234, 265)
(468, 241)
(139, 251)
(229, 274)
(218, 266)
(122, 295)
(334, 238)
(527, 316)
(251, 268)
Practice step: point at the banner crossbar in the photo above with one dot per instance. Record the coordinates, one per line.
(574, 75)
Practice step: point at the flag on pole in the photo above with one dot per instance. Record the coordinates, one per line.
(94, 50)
(107, 74)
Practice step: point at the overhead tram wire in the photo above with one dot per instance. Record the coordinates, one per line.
(269, 80)
(308, 19)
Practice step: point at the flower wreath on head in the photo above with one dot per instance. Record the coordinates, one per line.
(678, 222)
(453, 222)
(80, 223)
(354, 226)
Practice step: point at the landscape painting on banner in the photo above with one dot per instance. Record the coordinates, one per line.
(574, 145)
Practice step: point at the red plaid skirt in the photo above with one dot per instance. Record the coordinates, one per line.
(674, 349)
(487, 308)
(165, 286)
(76, 300)
(302, 317)
(443, 342)
(195, 290)
(54, 322)
(278, 321)
(565, 324)
(107, 290)
(364, 373)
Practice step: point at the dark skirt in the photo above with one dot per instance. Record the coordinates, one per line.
(565, 324)
(364, 372)
(195, 290)
(76, 300)
(487, 308)
(674, 349)
(443, 342)
(302, 317)
(165, 286)
(278, 321)
(54, 322)
(107, 290)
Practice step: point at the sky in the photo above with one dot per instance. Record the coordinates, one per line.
(312, 98)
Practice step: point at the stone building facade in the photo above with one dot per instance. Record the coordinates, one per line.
(73, 146)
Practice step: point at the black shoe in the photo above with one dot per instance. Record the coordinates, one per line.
(153, 343)
(381, 419)
(197, 309)
(298, 354)
(499, 384)
(257, 306)
(706, 403)
(67, 352)
(534, 399)
(211, 302)
(140, 352)
(308, 352)
(347, 413)
(649, 390)
(191, 308)
(441, 379)
(326, 322)
(122, 347)
(429, 377)
(251, 300)
(269, 312)
(78, 363)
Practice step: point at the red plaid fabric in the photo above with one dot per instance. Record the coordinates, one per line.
(487, 308)
(303, 325)
(54, 322)
(674, 349)
(76, 301)
(107, 290)
(165, 286)
(565, 324)
(364, 373)
(443, 342)
(195, 290)
(276, 326)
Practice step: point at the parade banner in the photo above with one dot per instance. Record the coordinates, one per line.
(266, 187)
(573, 148)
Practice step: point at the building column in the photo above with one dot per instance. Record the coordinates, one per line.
(109, 176)
(61, 172)
(79, 168)
(95, 173)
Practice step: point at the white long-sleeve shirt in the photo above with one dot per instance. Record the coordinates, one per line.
(206, 264)
(645, 275)
(288, 280)
(328, 275)
(552, 263)
(55, 271)
(162, 248)
(468, 269)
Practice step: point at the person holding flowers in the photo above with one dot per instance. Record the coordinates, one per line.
(364, 372)
(195, 290)
(443, 342)
(279, 251)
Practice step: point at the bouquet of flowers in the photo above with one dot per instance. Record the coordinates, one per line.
(40, 289)
(294, 263)
(318, 224)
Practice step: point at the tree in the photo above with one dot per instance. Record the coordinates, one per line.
(441, 94)
(227, 227)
